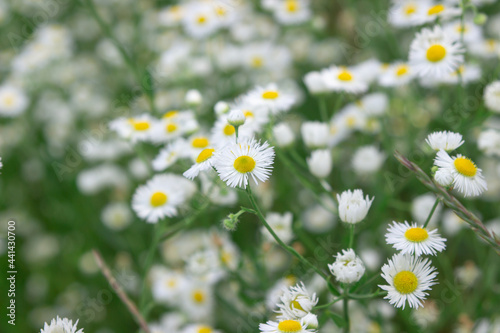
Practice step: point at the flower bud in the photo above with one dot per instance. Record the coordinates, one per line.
(221, 107)
(480, 18)
(236, 118)
(193, 97)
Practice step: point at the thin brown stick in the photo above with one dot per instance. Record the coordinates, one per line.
(451, 202)
(120, 292)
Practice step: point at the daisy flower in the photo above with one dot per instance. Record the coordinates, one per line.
(397, 74)
(467, 177)
(485, 48)
(270, 97)
(61, 325)
(445, 140)
(289, 12)
(196, 143)
(348, 267)
(470, 31)
(412, 239)
(200, 20)
(407, 13)
(238, 162)
(492, 96)
(169, 155)
(314, 134)
(161, 196)
(466, 73)
(13, 101)
(434, 53)
(135, 129)
(344, 79)
(296, 302)
(202, 163)
(409, 278)
(434, 11)
(352, 206)
(285, 326)
(281, 225)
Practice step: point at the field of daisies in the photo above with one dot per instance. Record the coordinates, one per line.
(250, 166)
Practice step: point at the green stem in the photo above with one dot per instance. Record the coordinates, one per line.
(323, 109)
(351, 236)
(327, 305)
(287, 248)
(347, 328)
(431, 213)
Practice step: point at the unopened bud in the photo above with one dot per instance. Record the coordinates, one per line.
(236, 118)
(480, 18)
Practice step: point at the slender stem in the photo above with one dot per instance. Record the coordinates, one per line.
(120, 292)
(432, 212)
(323, 108)
(351, 236)
(347, 328)
(287, 248)
(157, 232)
(327, 305)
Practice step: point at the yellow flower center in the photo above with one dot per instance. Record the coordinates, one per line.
(8, 100)
(491, 44)
(198, 296)
(435, 10)
(205, 155)
(462, 28)
(199, 142)
(220, 11)
(257, 62)
(229, 130)
(416, 234)
(171, 114)
(410, 9)
(405, 282)
(292, 6)
(465, 166)
(436, 53)
(345, 76)
(289, 326)
(270, 94)
(140, 125)
(248, 114)
(296, 305)
(351, 121)
(158, 199)
(201, 19)
(171, 128)
(205, 329)
(171, 283)
(244, 164)
(402, 70)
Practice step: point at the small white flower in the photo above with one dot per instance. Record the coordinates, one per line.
(58, 325)
(409, 278)
(467, 177)
(367, 160)
(283, 135)
(161, 196)
(445, 140)
(193, 97)
(285, 326)
(315, 134)
(433, 53)
(296, 302)
(236, 118)
(238, 162)
(412, 239)
(13, 101)
(199, 328)
(311, 320)
(492, 96)
(136, 129)
(345, 79)
(116, 216)
(281, 225)
(320, 163)
(352, 206)
(291, 12)
(348, 267)
(489, 142)
(221, 108)
(274, 99)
